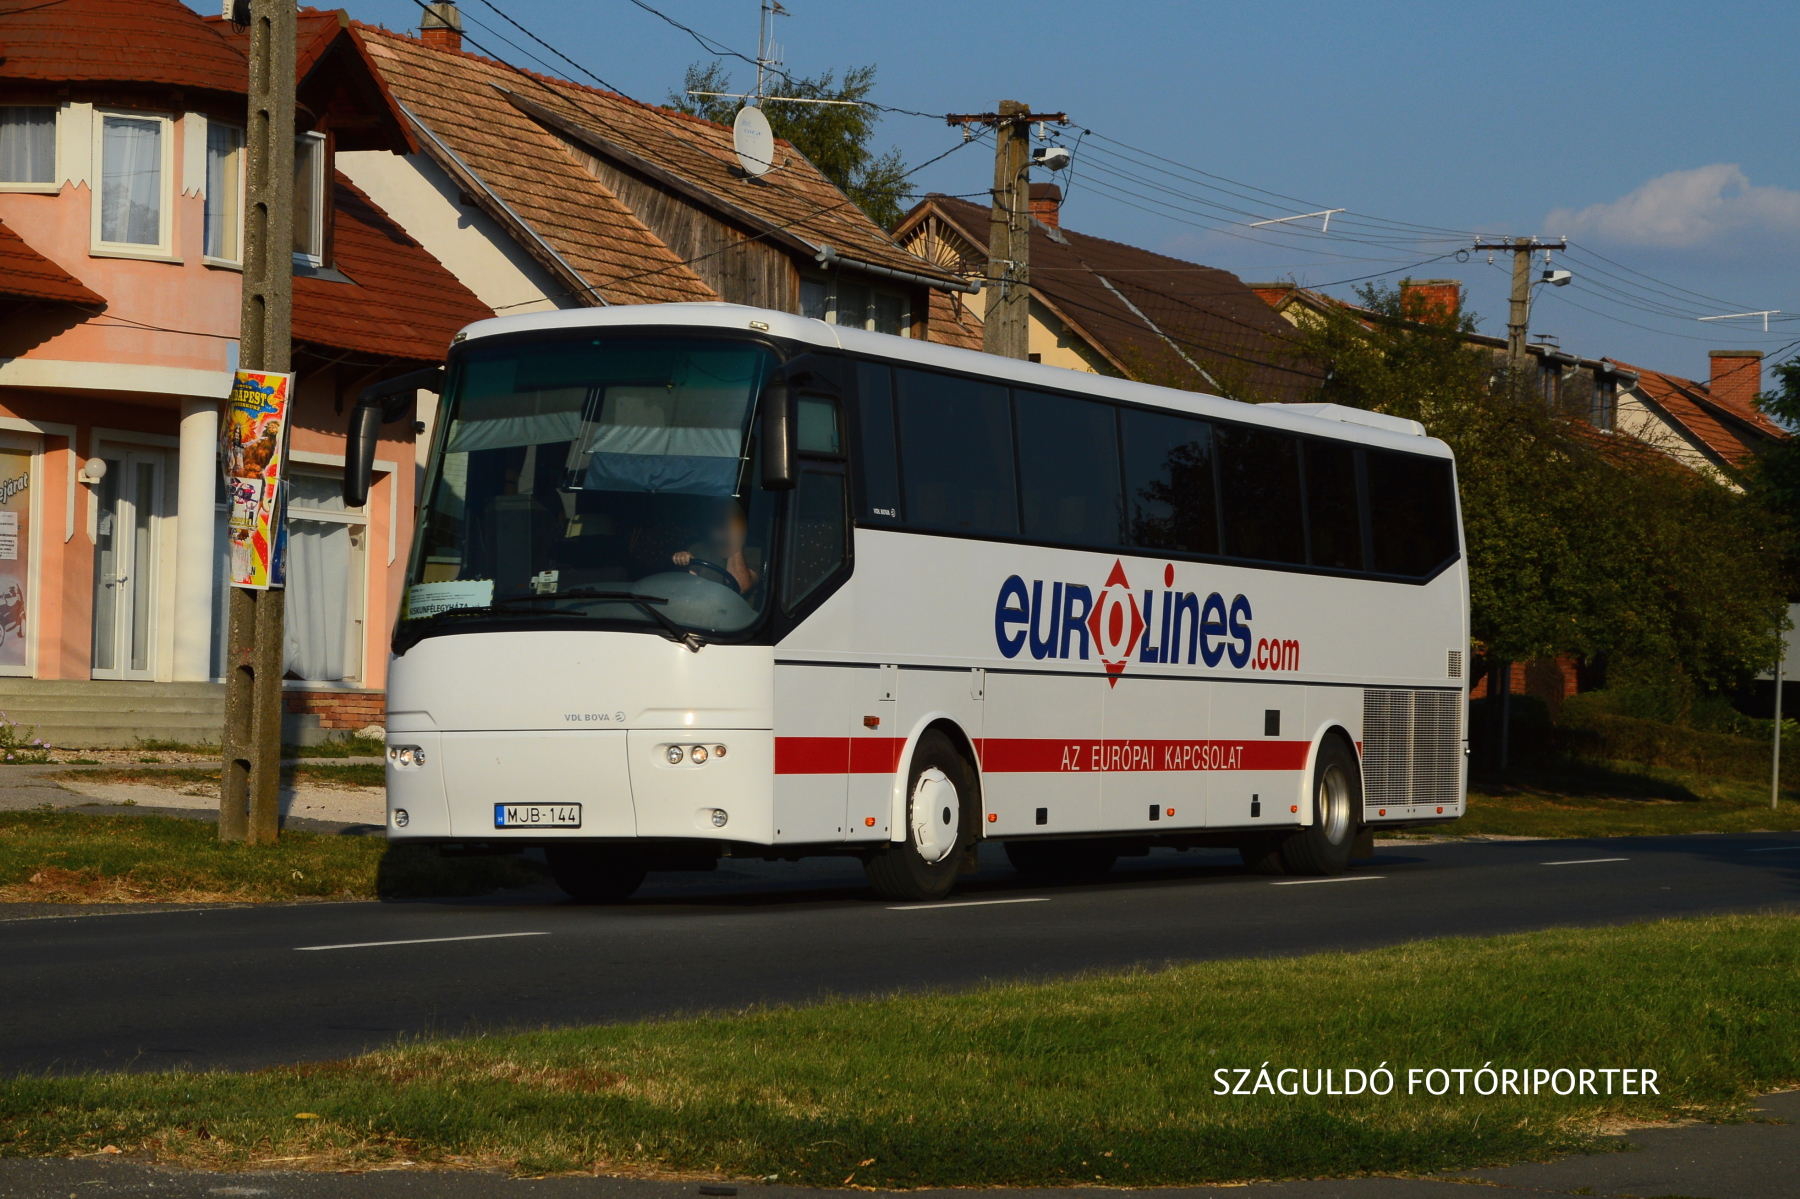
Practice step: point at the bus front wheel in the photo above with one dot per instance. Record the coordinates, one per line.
(940, 791)
(596, 873)
(1324, 846)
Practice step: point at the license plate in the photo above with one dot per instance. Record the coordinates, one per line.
(537, 815)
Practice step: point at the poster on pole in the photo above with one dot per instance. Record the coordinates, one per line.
(253, 437)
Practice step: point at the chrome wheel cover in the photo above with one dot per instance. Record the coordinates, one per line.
(1334, 804)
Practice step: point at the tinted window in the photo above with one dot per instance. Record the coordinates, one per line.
(880, 461)
(1334, 519)
(1169, 498)
(817, 533)
(1259, 482)
(1068, 468)
(1412, 512)
(956, 441)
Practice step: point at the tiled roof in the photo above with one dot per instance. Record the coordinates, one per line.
(952, 322)
(26, 274)
(118, 41)
(458, 97)
(401, 302)
(1692, 407)
(1131, 304)
(514, 129)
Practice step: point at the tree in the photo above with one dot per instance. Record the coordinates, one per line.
(1579, 542)
(834, 137)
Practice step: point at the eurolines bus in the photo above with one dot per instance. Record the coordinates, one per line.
(702, 580)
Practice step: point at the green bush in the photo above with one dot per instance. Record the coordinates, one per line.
(1603, 726)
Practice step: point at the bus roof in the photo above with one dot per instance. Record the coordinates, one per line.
(1318, 420)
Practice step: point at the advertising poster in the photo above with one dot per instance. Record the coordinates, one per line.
(15, 553)
(252, 437)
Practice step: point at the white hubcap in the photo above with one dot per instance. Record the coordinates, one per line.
(936, 814)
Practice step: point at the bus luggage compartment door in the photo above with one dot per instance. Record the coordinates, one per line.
(482, 770)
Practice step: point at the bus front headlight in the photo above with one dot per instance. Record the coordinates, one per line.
(406, 757)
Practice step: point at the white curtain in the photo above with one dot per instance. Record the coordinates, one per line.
(27, 145)
(319, 620)
(131, 181)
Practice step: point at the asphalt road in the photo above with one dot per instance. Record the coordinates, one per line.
(245, 987)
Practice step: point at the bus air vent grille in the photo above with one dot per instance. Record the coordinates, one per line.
(1410, 747)
(1456, 664)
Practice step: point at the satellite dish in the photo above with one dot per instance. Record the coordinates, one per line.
(754, 141)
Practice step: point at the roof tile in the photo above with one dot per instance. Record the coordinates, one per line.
(119, 41)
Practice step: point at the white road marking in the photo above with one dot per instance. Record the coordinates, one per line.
(1583, 861)
(1343, 878)
(973, 903)
(1773, 849)
(414, 941)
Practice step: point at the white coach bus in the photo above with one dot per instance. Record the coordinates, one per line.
(701, 580)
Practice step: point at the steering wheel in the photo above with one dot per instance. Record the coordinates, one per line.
(725, 576)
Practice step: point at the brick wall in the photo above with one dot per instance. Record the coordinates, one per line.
(340, 709)
(1551, 679)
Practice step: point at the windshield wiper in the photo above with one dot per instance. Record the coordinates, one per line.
(645, 604)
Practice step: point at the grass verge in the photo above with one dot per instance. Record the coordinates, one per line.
(1620, 799)
(1109, 1079)
(72, 857)
(350, 774)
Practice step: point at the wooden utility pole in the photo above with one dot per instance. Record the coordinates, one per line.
(251, 783)
(1006, 320)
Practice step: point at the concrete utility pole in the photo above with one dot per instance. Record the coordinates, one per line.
(1518, 322)
(250, 793)
(1006, 321)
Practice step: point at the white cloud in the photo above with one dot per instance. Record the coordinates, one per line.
(1685, 208)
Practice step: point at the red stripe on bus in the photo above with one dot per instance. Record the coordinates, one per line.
(1043, 755)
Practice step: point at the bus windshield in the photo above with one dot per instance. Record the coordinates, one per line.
(607, 478)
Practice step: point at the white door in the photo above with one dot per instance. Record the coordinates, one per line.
(126, 536)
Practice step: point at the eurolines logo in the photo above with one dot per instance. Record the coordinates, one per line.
(1062, 622)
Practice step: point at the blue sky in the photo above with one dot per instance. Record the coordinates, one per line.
(1658, 136)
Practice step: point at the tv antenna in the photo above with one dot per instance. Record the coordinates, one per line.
(1305, 216)
(1734, 316)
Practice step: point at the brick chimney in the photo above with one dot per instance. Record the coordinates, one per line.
(441, 26)
(1046, 203)
(1736, 376)
(1439, 297)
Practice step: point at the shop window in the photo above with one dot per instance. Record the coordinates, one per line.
(28, 148)
(224, 192)
(135, 177)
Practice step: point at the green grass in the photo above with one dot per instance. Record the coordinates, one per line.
(72, 857)
(345, 747)
(1105, 1079)
(349, 774)
(1619, 799)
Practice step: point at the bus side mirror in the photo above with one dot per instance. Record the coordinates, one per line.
(780, 435)
(381, 404)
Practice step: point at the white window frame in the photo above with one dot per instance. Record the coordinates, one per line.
(54, 186)
(358, 601)
(163, 250)
(242, 181)
(316, 235)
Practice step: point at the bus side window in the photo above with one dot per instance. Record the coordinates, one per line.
(956, 443)
(1259, 484)
(1170, 500)
(1334, 521)
(879, 464)
(1412, 512)
(1068, 469)
(819, 510)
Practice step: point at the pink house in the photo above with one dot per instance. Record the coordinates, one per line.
(121, 158)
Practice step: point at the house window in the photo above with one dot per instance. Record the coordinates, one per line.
(27, 148)
(814, 299)
(856, 306)
(327, 551)
(224, 192)
(1605, 412)
(309, 199)
(132, 215)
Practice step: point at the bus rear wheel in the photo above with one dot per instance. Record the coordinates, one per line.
(1062, 861)
(596, 873)
(1324, 846)
(940, 812)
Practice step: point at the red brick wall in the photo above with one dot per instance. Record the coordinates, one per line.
(340, 709)
(1551, 678)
